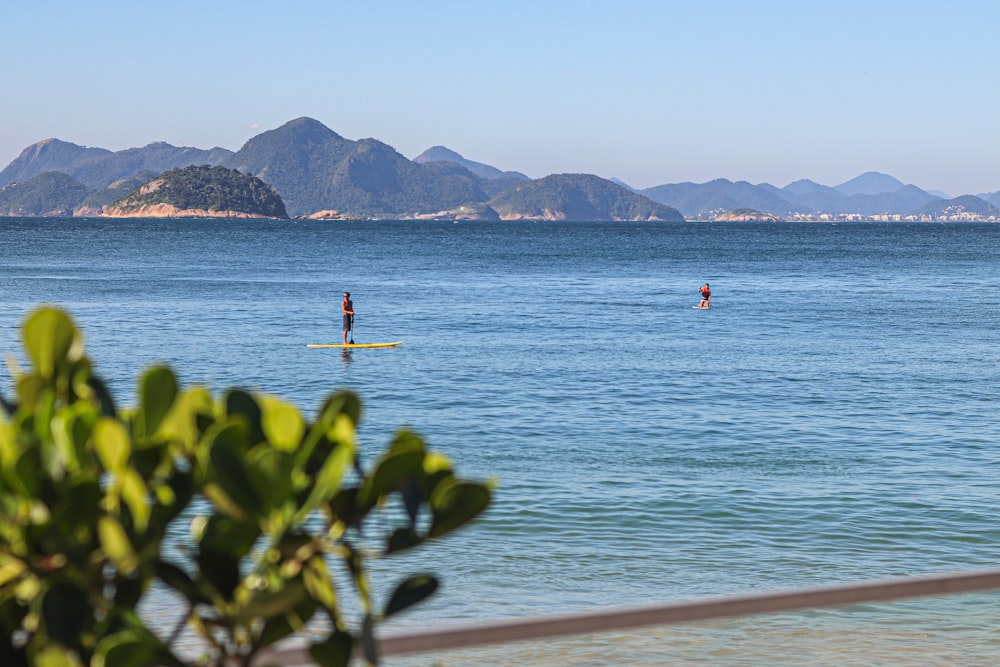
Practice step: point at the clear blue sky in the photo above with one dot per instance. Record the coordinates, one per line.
(650, 92)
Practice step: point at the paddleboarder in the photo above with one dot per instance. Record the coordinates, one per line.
(347, 306)
(706, 296)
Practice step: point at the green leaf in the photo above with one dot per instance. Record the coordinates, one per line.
(56, 656)
(66, 613)
(25, 475)
(10, 568)
(240, 403)
(221, 570)
(270, 604)
(51, 340)
(270, 472)
(227, 447)
(456, 503)
(283, 424)
(391, 474)
(181, 423)
(412, 591)
(135, 494)
(403, 539)
(328, 480)
(178, 579)
(344, 507)
(334, 651)
(116, 545)
(277, 628)
(124, 649)
(342, 403)
(406, 441)
(112, 444)
(317, 581)
(157, 393)
(71, 429)
(229, 535)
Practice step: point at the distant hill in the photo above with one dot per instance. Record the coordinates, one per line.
(807, 187)
(442, 154)
(314, 168)
(95, 202)
(98, 168)
(870, 183)
(707, 200)
(991, 197)
(156, 157)
(49, 155)
(201, 191)
(579, 197)
(746, 215)
(317, 171)
(50, 194)
(953, 207)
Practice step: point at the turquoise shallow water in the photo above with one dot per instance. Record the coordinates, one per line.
(831, 418)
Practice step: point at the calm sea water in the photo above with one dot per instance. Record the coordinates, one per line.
(832, 418)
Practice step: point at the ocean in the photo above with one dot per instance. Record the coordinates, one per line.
(831, 418)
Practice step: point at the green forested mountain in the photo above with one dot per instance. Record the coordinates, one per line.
(314, 168)
(98, 168)
(442, 154)
(204, 188)
(98, 199)
(580, 197)
(49, 155)
(969, 204)
(156, 157)
(52, 193)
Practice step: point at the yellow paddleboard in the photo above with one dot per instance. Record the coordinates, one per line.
(353, 345)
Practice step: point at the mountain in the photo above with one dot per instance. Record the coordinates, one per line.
(578, 197)
(991, 197)
(869, 183)
(314, 168)
(618, 181)
(707, 200)
(492, 180)
(318, 172)
(95, 202)
(966, 204)
(156, 157)
(98, 168)
(807, 187)
(48, 155)
(52, 193)
(201, 191)
(442, 154)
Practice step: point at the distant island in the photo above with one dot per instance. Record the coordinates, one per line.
(200, 192)
(318, 174)
(746, 215)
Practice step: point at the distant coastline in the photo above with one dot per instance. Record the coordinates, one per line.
(318, 173)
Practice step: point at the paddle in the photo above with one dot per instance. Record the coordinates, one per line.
(352, 329)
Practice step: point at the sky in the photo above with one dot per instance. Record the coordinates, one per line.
(649, 92)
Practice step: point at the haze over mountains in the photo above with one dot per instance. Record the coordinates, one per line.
(314, 169)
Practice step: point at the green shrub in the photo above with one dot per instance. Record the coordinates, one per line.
(88, 493)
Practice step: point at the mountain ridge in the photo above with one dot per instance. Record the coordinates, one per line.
(315, 169)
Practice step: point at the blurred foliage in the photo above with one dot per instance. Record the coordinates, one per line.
(275, 505)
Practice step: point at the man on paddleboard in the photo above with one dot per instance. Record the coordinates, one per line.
(347, 306)
(706, 296)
